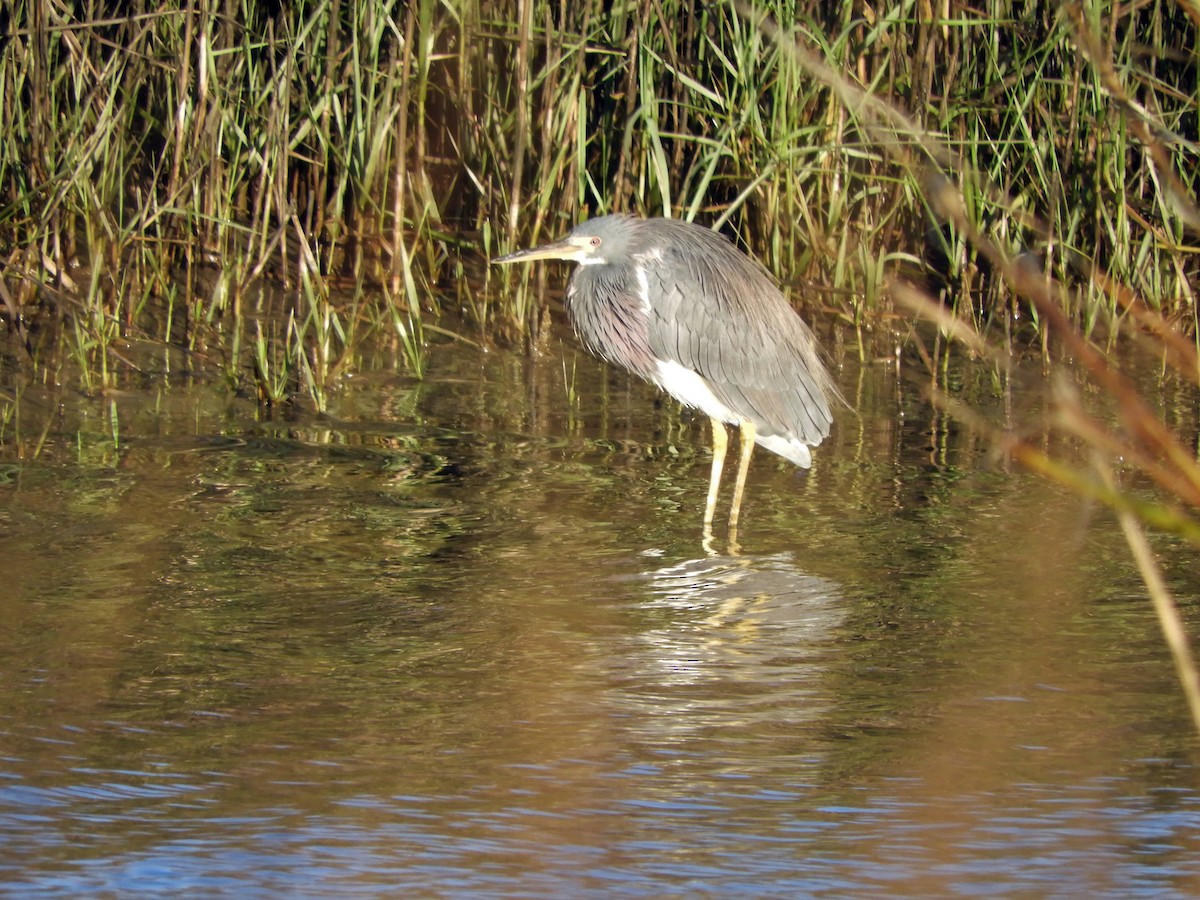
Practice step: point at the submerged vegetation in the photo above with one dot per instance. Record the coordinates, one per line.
(261, 187)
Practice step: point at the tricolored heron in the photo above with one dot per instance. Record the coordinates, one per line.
(678, 305)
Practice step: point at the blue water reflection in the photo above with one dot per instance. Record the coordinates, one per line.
(760, 843)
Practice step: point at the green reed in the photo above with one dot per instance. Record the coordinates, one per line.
(163, 163)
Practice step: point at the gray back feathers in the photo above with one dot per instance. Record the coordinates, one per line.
(713, 310)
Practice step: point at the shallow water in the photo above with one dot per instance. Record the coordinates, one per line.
(462, 637)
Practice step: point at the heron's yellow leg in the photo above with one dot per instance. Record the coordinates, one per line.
(744, 452)
(720, 438)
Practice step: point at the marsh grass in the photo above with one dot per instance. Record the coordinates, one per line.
(149, 143)
(166, 169)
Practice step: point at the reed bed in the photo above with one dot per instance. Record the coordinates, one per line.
(264, 186)
(163, 162)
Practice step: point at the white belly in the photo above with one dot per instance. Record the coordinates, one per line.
(690, 389)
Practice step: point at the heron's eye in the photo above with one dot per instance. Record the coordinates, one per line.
(595, 241)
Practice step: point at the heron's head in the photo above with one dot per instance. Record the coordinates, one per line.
(591, 243)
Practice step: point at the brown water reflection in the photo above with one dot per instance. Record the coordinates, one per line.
(461, 637)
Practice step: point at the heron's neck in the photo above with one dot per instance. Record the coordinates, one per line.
(609, 316)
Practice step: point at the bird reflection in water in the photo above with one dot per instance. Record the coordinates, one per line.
(729, 641)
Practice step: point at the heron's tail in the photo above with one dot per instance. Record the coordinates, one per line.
(791, 449)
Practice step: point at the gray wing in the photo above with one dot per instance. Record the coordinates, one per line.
(717, 312)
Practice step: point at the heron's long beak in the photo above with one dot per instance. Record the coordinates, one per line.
(564, 249)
